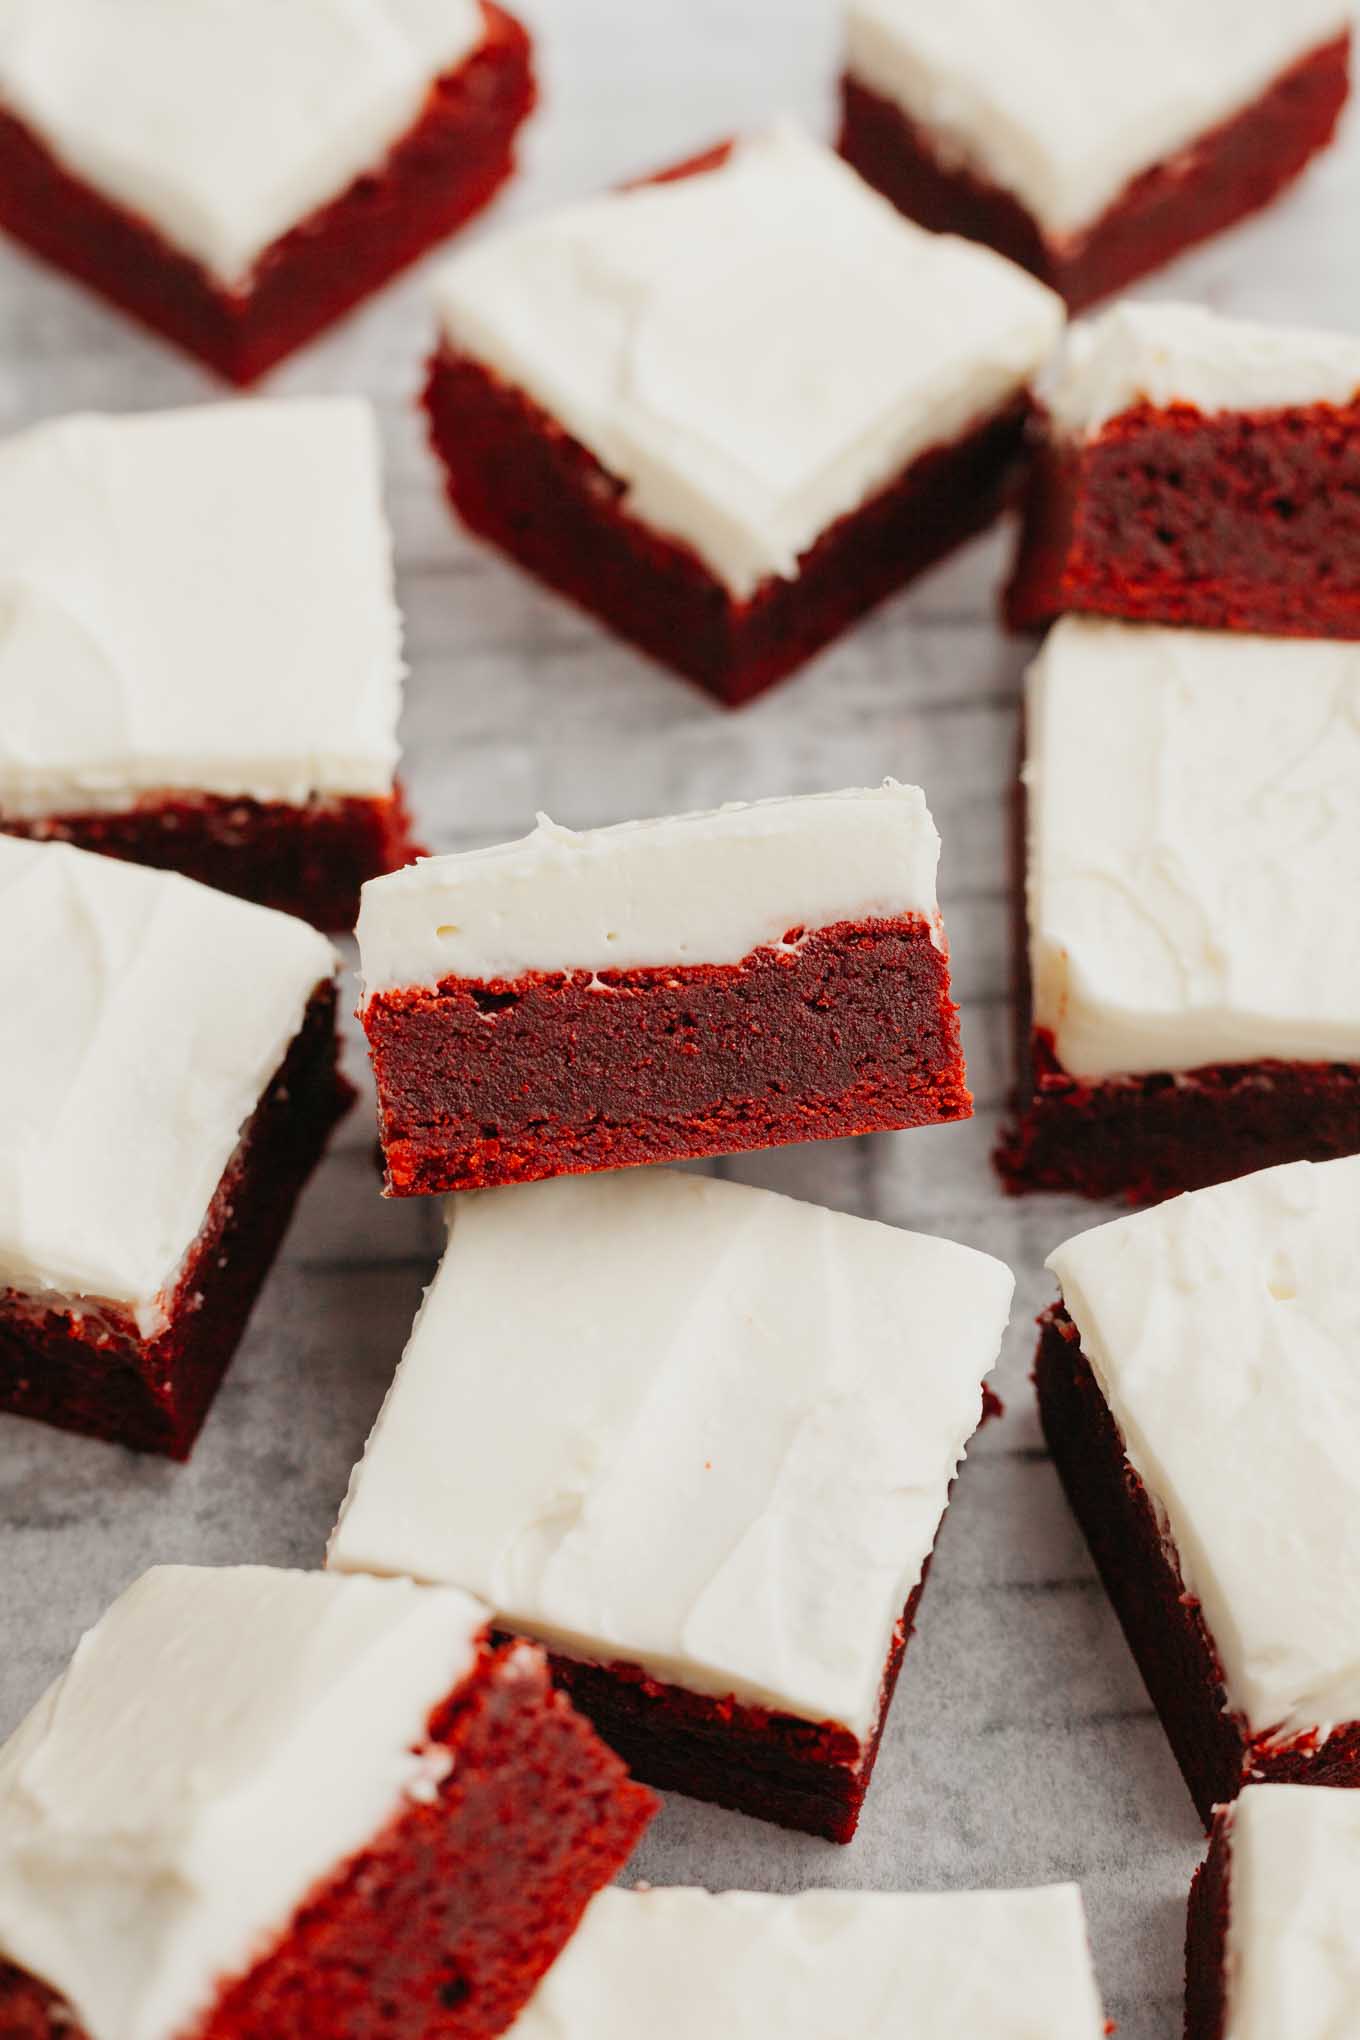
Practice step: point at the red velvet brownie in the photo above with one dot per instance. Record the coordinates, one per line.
(660, 990)
(236, 176)
(1194, 997)
(1272, 1948)
(1191, 469)
(276, 1806)
(1090, 143)
(706, 1469)
(730, 410)
(1010, 1965)
(168, 1081)
(1200, 1394)
(201, 667)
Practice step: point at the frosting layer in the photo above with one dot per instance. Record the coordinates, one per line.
(1293, 1953)
(222, 1742)
(1224, 1331)
(716, 1440)
(753, 351)
(1182, 354)
(143, 1017)
(226, 122)
(685, 1965)
(700, 888)
(1064, 104)
(196, 601)
(1194, 817)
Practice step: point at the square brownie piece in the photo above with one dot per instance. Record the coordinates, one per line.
(279, 1804)
(1090, 143)
(1273, 1945)
(697, 1439)
(1193, 1001)
(202, 666)
(168, 1081)
(1200, 1391)
(236, 175)
(688, 1965)
(1192, 469)
(661, 990)
(730, 410)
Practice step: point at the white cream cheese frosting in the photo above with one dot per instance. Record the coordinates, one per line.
(1163, 354)
(225, 123)
(222, 1743)
(1292, 1961)
(754, 351)
(714, 1436)
(1064, 103)
(684, 889)
(688, 1965)
(196, 601)
(1194, 819)
(143, 1017)
(1223, 1329)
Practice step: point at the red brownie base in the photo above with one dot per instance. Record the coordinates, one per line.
(94, 1373)
(308, 860)
(1206, 1937)
(518, 479)
(443, 1927)
(799, 1774)
(1164, 1625)
(1238, 520)
(1229, 172)
(1145, 1138)
(851, 1031)
(450, 164)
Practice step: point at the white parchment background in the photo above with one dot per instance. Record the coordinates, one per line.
(1021, 1748)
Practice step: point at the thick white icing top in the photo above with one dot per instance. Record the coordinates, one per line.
(1182, 354)
(224, 123)
(754, 351)
(1224, 1331)
(1063, 102)
(142, 1019)
(1194, 818)
(221, 1744)
(715, 1439)
(702, 888)
(196, 601)
(1293, 1953)
(688, 1965)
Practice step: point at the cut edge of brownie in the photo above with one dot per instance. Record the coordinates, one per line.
(1206, 1936)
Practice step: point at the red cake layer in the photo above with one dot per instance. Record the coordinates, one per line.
(309, 860)
(447, 167)
(1239, 520)
(799, 1774)
(520, 480)
(95, 1373)
(442, 1928)
(1206, 1937)
(1164, 1626)
(1229, 172)
(852, 1031)
(1145, 1138)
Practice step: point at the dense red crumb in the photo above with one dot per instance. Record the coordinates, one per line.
(95, 1374)
(1146, 1138)
(850, 1031)
(1227, 173)
(1236, 520)
(518, 479)
(1206, 1937)
(450, 164)
(308, 860)
(1164, 1626)
(442, 1928)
